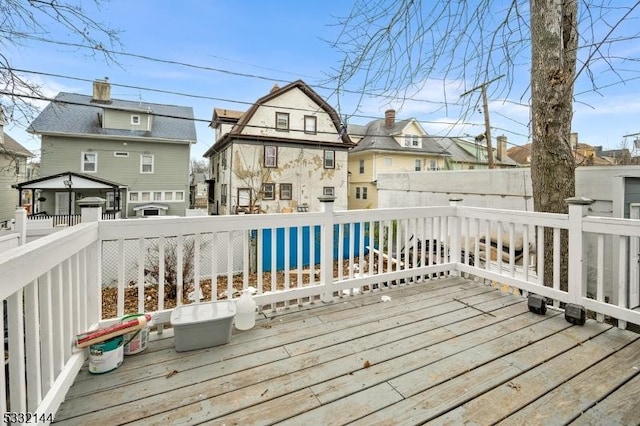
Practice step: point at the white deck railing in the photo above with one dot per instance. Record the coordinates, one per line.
(53, 286)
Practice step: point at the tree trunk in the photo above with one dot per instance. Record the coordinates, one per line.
(554, 40)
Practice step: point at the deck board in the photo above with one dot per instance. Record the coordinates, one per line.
(443, 350)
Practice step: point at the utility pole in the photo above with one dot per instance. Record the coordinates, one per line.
(487, 122)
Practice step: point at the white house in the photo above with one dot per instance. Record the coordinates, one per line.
(283, 153)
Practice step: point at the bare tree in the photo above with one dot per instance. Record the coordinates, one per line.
(32, 20)
(395, 47)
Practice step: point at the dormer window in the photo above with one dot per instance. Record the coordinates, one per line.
(412, 141)
(135, 120)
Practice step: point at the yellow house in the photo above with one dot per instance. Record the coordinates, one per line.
(387, 145)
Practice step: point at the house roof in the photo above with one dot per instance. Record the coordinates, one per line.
(222, 115)
(464, 151)
(14, 148)
(80, 181)
(379, 137)
(584, 155)
(74, 114)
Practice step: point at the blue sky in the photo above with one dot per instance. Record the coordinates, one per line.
(276, 41)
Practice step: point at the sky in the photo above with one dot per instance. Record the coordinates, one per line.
(222, 54)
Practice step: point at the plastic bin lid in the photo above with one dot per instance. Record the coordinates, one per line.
(196, 313)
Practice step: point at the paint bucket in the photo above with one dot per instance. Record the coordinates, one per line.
(135, 341)
(106, 356)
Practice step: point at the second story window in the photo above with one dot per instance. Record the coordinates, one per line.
(223, 158)
(268, 191)
(310, 124)
(146, 163)
(270, 156)
(361, 164)
(135, 120)
(329, 159)
(282, 121)
(89, 162)
(417, 165)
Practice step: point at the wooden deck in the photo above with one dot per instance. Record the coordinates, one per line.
(443, 351)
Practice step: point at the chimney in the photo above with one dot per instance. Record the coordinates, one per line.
(275, 88)
(389, 118)
(101, 91)
(502, 147)
(573, 141)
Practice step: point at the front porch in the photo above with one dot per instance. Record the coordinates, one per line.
(327, 345)
(446, 350)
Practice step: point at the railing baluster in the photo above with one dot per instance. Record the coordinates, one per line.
(32, 346)
(600, 274)
(556, 262)
(141, 268)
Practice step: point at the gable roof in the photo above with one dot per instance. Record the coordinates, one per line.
(380, 137)
(73, 114)
(12, 147)
(56, 181)
(465, 151)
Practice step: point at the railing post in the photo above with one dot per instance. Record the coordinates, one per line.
(578, 208)
(91, 211)
(21, 224)
(326, 244)
(454, 244)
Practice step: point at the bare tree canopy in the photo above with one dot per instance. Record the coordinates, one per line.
(32, 20)
(396, 47)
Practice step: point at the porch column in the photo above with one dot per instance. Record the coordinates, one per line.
(326, 253)
(454, 244)
(578, 208)
(21, 224)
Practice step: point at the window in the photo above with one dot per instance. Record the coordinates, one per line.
(361, 193)
(328, 191)
(411, 140)
(417, 165)
(223, 194)
(89, 162)
(223, 156)
(361, 166)
(270, 156)
(268, 191)
(282, 121)
(388, 161)
(286, 191)
(135, 120)
(121, 154)
(433, 165)
(146, 163)
(310, 124)
(162, 196)
(329, 159)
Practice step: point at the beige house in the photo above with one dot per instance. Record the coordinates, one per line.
(387, 145)
(281, 155)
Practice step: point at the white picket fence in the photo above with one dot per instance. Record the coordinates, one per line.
(53, 286)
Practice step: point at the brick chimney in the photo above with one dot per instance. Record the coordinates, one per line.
(502, 148)
(101, 91)
(389, 118)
